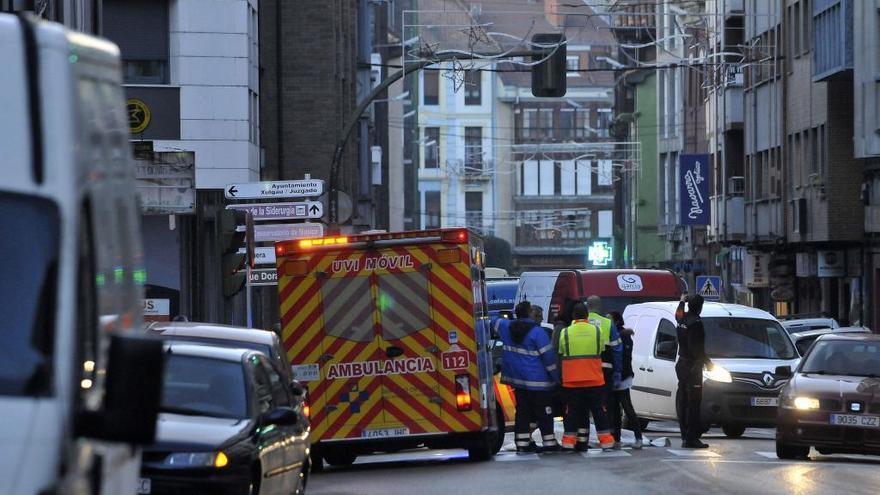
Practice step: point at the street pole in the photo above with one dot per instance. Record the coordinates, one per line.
(248, 290)
(333, 213)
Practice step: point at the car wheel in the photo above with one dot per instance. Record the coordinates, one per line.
(785, 451)
(339, 458)
(304, 477)
(733, 430)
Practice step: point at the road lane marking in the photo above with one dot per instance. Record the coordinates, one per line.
(513, 456)
(768, 455)
(693, 453)
(598, 453)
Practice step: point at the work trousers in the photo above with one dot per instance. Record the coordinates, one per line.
(688, 399)
(581, 403)
(533, 407)
(622, 404)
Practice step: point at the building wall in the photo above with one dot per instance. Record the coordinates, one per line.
(213, 59)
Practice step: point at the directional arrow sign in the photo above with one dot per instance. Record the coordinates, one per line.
(307, 188)
(282, 211)
(287, 231)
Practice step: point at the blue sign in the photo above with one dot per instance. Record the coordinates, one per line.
(694, 189)
(709, 287)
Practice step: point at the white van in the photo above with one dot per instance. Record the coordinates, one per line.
(75, 393)
(747, 346)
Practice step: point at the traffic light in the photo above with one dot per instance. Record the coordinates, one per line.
(231, 239)
(549, 76)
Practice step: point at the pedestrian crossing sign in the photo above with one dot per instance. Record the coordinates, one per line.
(709, 287)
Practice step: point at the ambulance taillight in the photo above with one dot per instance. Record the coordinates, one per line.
(463, 392)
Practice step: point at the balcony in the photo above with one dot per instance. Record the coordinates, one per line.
(832, 38)
(764, 220)
(531, 240)
(728, 218)
(634, 22)
(731, 114)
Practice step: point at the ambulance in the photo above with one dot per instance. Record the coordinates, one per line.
(389, 333)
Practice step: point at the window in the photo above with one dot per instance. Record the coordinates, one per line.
(28, 295)
(603, 122)
(605, 173)
(566, 123)
(797, 29)
(403, 302)
(348, 308)
(666, 345)
(606, 227)
(530, 122)
(473, 87)
(747, 338)
(432, 147)
(431, 91)
(582, 122)
(473, 206)
(280, 395)
(262, 387)
(545, 121)
(567, 178)
(807, 25)
(545, 179)
(529, 178)
(572, 65)
(473, 149)
(433, 211)
(141, 31)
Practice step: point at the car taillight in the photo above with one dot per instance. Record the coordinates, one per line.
(463, 392)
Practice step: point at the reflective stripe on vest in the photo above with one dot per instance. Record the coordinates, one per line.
(580, 349)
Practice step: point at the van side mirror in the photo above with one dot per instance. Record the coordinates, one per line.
(133, 386)
(282, 416)
(297, 389)
(783, 372)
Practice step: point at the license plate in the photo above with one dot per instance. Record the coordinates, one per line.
(855, 420)
(385, 432)
(144, 485)
(765, 401)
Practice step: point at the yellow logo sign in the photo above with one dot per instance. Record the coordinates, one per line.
(139, 115)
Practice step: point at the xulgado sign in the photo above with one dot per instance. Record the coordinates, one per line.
(694, 189)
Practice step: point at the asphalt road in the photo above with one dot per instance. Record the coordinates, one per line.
(747, 465)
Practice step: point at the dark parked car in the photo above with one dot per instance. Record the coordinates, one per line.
(226, 426)
(228, 336)
(831, 401)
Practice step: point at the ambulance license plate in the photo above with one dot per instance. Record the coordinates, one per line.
(765, 401)
(385, 433)
(144, 485)
(855, 420)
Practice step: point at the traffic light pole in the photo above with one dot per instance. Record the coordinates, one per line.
(333, 212)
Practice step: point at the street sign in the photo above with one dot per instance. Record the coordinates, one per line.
(307, 188)
(287, 231)
(262, 255)
(282, 211)
(264, 277)
(709, 287)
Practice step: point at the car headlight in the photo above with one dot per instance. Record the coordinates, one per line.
(806, 403)
(717, 374)
(196, 459)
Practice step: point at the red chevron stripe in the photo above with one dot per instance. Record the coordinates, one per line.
(415, 403)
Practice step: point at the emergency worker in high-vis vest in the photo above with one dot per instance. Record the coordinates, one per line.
(580, 353)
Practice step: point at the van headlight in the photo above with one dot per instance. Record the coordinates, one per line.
(717, 374)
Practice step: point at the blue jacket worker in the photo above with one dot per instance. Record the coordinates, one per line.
(529, 366)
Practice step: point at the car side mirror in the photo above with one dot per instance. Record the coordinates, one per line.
(133, 393)
(783, 371)
(282, 416)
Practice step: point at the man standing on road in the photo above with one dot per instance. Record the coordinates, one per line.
(689, 369)
(612, 354)
(580, 350)
(529, 365)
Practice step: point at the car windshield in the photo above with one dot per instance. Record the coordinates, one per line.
(804, 344)
(843, 357)
(199, 386)
(748, 338)
(30, 248)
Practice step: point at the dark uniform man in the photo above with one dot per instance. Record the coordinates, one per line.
(689, 369)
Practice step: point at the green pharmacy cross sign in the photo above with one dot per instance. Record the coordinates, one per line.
(600, 253)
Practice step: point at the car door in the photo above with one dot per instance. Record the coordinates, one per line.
(661, 367)
(291, 446)
(268, 437)
(645, 327)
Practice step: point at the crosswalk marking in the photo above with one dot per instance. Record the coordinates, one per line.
(513, 456)
(598, 453)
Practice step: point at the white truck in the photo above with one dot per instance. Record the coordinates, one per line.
(77, 392)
